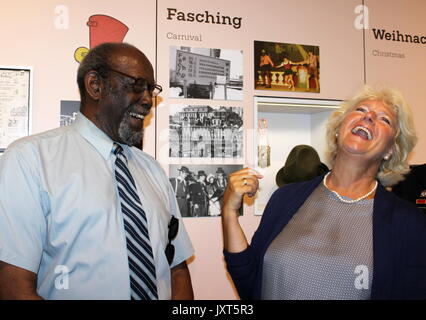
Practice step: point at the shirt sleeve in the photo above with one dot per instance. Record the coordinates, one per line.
(245, 267)
(22, 222)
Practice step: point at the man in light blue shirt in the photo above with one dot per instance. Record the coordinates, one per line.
(61, 224)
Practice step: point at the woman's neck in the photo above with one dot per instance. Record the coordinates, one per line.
(352, 178)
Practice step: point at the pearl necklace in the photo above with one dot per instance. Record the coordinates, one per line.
(348, 201)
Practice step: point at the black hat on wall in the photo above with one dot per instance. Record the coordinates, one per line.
(302, 164)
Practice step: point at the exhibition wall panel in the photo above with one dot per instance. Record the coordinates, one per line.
(395, 48)
(52, 35)
(191, 35)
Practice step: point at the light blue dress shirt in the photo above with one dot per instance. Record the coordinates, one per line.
(60, 213)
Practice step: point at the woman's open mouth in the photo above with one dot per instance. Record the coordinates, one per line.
(362, 132)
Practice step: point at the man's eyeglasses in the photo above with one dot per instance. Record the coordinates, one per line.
(139, 85)
(173, 230)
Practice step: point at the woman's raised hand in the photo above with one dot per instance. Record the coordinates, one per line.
(241, 182)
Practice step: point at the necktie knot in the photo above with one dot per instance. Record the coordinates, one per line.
(117, 149)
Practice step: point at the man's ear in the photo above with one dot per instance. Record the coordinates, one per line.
(92, 83)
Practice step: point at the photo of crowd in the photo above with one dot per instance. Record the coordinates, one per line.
(205, 132)
(286, 67)
(199, 189)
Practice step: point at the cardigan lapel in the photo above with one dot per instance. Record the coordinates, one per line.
(384, 245)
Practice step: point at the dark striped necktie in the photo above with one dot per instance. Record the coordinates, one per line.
(141, 261)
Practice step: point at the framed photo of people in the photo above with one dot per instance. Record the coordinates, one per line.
(205, 131)
(15, 104)
(199, 189)
(286, 67)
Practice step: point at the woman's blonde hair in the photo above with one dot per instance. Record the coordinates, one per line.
(390, 171)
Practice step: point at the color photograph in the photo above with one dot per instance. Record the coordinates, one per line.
(286, 67)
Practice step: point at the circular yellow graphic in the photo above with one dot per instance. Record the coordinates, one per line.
(80, 53)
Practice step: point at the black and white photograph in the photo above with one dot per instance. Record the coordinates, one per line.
(199, 189)
(205, 73)
(69, 110)
(205, 132)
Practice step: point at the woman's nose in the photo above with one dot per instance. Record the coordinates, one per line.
(370, 117)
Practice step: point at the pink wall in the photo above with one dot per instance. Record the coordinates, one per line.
(403, 73)
(36, 35)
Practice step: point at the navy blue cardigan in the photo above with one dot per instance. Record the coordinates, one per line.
(399, 244)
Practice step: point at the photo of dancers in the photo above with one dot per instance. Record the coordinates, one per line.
(286, 67)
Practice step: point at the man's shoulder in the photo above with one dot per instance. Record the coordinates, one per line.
(31, 153)
(32, 142)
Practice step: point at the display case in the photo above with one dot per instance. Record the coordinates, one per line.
(289, 122)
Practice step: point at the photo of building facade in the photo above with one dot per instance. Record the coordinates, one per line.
(206, 132)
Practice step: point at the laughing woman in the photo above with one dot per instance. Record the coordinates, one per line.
(341, 235)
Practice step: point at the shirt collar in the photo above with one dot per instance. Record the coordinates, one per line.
(95, 136)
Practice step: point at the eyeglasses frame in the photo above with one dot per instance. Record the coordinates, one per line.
(135, 80)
